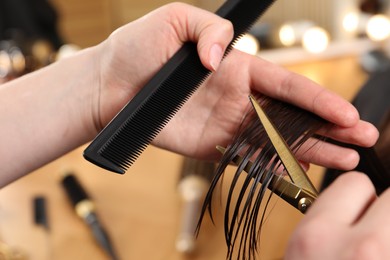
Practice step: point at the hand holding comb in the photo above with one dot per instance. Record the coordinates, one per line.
(128, 134)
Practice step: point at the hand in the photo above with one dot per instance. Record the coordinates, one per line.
(212, 115)
(93, 85)
(135, 52)
(347, 221)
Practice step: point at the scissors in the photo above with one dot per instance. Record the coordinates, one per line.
(300, 192)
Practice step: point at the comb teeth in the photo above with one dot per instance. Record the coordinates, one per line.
(122, 141)
(139, 130)
(127, 136)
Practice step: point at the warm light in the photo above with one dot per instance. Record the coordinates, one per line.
(378, 27)
(67, 50)
(315, 40)
(291, 33)
(351, 22)
(18, 60)
(287, 35)
(247, 43)
(5, 64)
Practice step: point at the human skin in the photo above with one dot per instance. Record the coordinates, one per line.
(54, 110)
(347, 221)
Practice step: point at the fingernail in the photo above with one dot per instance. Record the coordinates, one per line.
(216, 54)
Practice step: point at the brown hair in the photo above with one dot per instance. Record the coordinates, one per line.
(241, 221)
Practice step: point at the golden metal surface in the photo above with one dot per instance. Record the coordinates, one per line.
(84, 207)
(297, 197)
(293, 168)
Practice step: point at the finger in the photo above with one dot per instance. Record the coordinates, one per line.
(211, 32)
(212, 45)
(328, 155)
(362, 134)
(372, 230)
(345, 200)
(377, 213)
(279, 83)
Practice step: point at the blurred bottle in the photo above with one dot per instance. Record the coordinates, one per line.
(193, 185)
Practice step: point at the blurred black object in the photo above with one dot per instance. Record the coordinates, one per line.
(374, 61)
(373, 6)
(29, 19)
(373, 104)
(28, 36)
(40, 212)
(85, 209)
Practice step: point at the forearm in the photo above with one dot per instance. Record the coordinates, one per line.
(46, 114)
(56, 109)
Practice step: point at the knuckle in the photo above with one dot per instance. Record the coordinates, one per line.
(359, 180)
(286, 86)
(368, 247)
(227, 27)
(307, 239)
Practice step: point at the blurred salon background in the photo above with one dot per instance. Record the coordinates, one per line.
(342, 45)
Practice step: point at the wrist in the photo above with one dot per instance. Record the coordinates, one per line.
(80, 93)
(49, 113)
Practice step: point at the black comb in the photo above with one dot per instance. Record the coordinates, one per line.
(120, 143)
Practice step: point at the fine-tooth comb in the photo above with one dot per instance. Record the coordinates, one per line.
(120, 143)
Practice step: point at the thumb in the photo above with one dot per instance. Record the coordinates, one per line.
(211, 32)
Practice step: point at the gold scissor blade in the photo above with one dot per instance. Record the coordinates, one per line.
(291, 164)
(299, 198)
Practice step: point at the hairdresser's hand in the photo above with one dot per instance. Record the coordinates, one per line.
(212, 115)
(135, 52)
(94, 84)
(346, 222)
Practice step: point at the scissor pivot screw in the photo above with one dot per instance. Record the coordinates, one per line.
(304, 204)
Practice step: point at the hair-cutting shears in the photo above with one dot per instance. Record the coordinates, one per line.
(299, 191)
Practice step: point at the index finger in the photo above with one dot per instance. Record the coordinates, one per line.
(290, 87)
